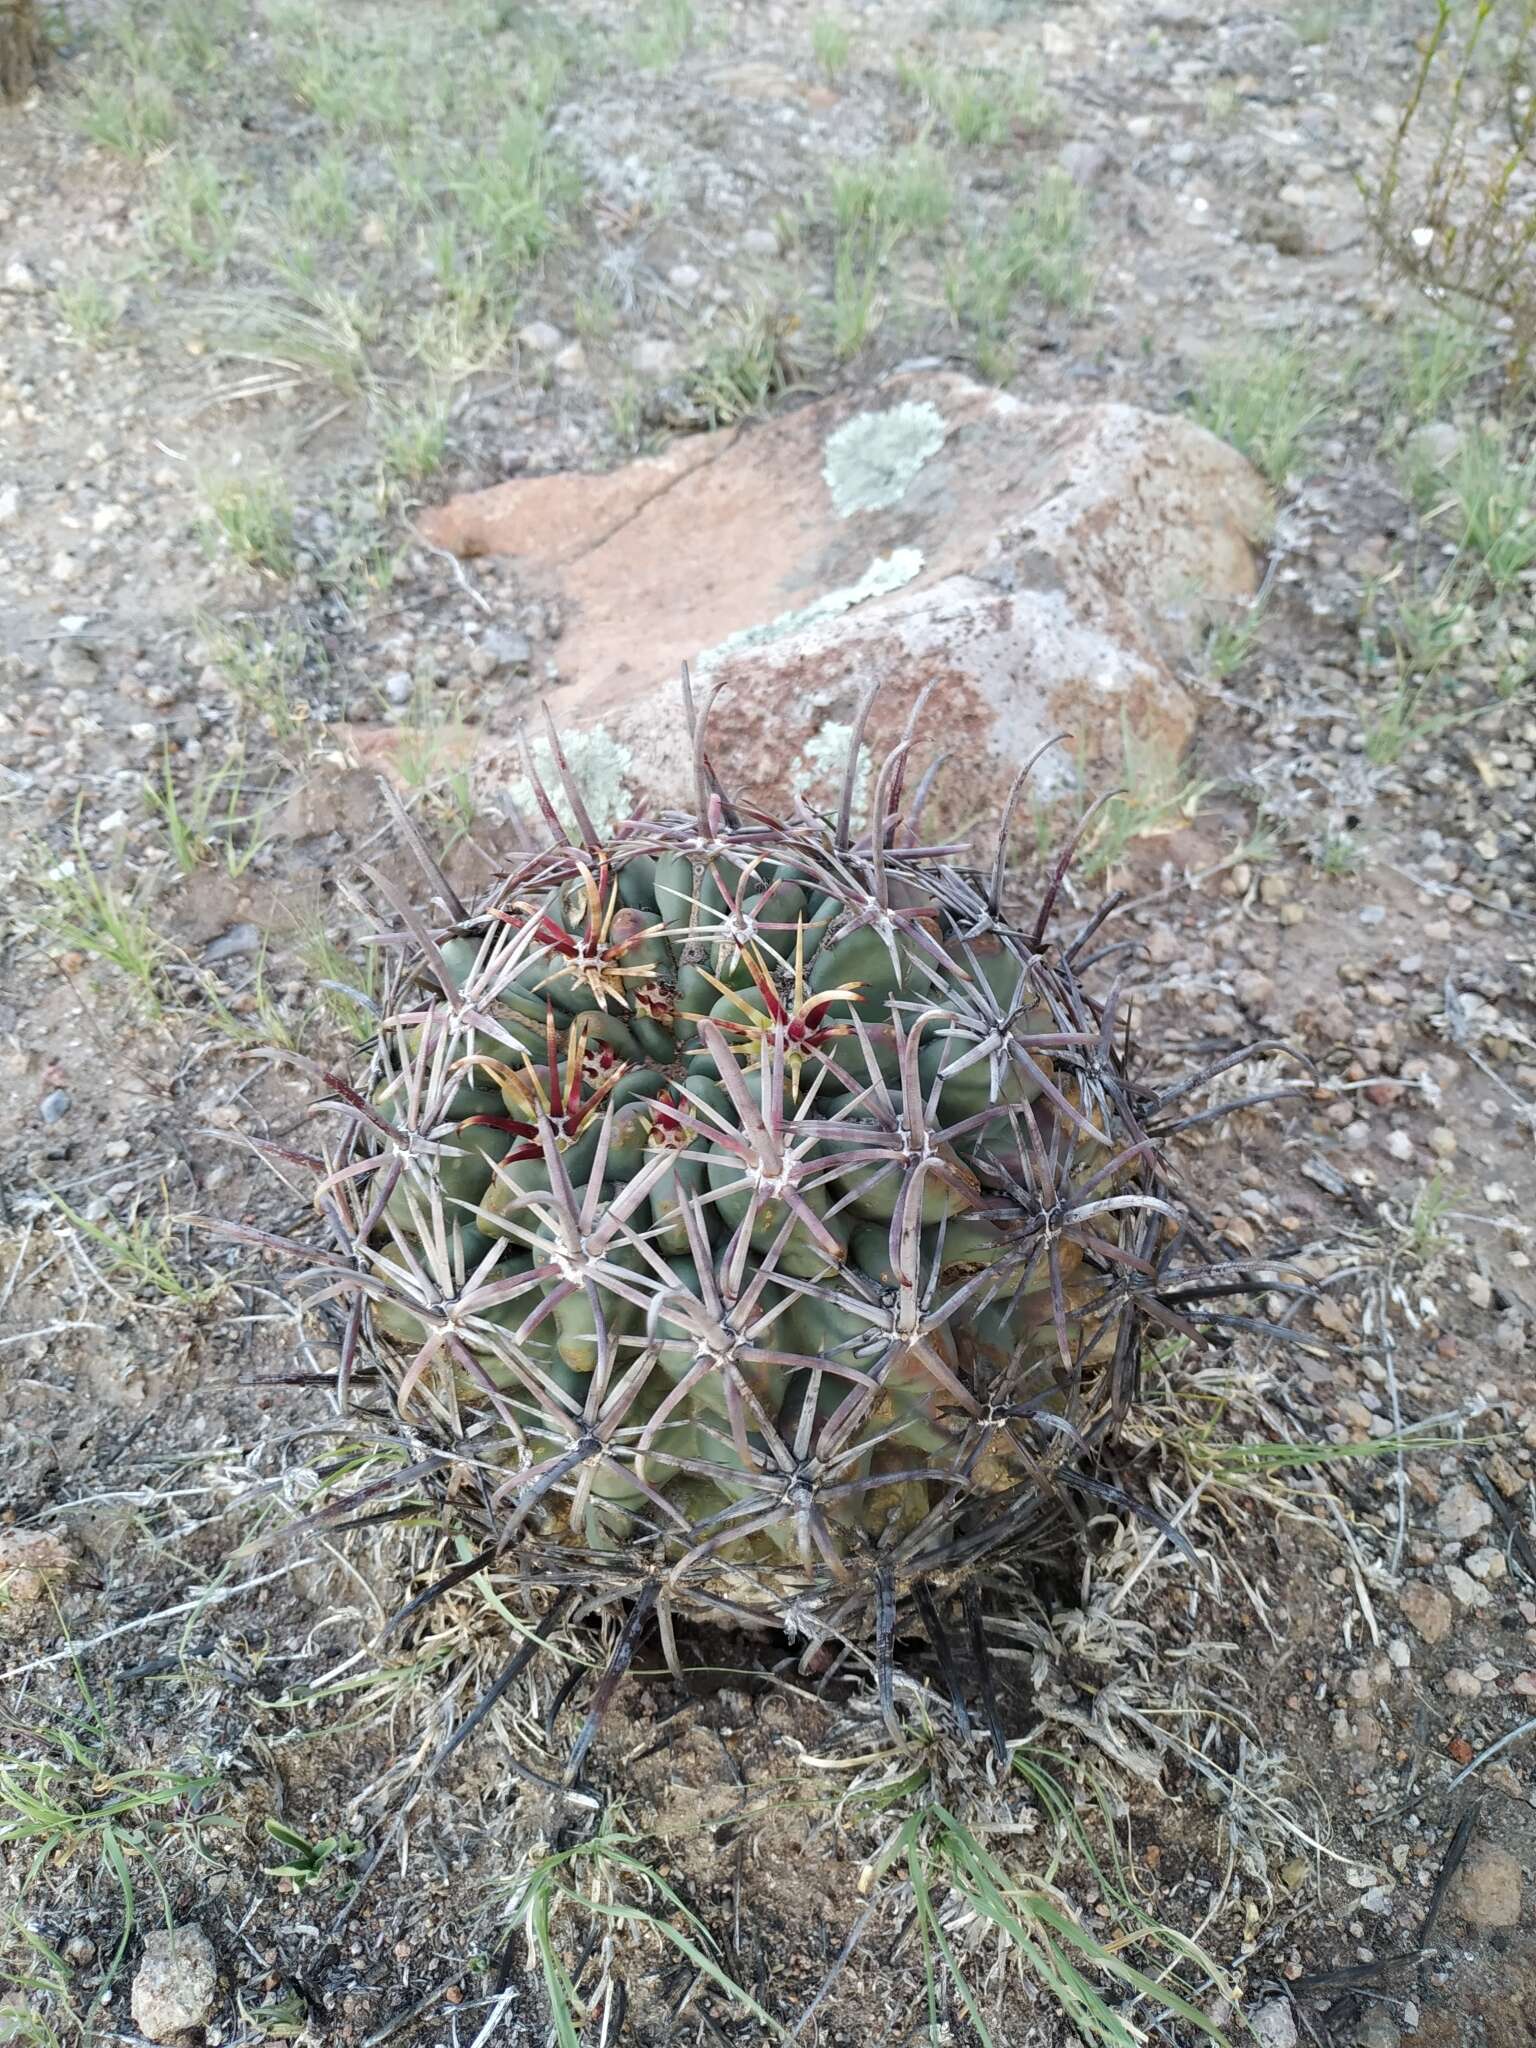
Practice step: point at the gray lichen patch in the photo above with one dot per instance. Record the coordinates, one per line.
(872, 460)
(599, 766)
(819, 769)
(885, 574)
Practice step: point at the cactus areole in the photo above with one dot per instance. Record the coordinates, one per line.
(747, 1215)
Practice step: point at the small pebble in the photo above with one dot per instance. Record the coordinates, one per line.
(55, 1105)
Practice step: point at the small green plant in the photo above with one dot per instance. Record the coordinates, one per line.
(1425, 1233)
(85, 912)
(1041, 248)
(626, 413)
(1264, 399)
(746, 366)
(601, 1883)
(1155, 797)
(1438, 364)
(414, 438)
(1491, 494)
(308, 1862)
(209, 821)
(307, 327)
(261, 664)
(666, 38)
(132, 117)
(832, 45)
(138, 1252)
(1419, 631)
(320, 198)
(192, 219)
(1230, 639)
(194, 36)
(72, 1796)
(336, 975)
(950, 1870)
(856, 296)
(1340, 855)
(510, 193)
(981, 108)
(89, 309)
(253, 518)
(905, 193)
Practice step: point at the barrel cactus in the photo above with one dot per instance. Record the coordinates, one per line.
(747, 1217)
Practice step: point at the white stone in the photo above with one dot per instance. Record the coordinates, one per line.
(174, 1987)
(540, 337)
(1273, 2024)
(1463, 1512)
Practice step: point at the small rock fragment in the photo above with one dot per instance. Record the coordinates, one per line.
(28, 1559)
(1462, 1513)
(1273, 2024)
(176, 1982)
(540, 337)
(1487, 1888)
(1426, 1610)
(54, 1105)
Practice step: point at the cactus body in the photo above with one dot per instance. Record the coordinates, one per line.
(765, 1211)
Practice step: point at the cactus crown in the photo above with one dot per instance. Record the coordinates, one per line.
(749, 1214)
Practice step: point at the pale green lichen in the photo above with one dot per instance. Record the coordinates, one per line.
(599, 766)
(872, 461)
(885, 574)
(820, 767)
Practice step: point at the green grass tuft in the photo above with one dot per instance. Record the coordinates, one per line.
(832, 45)
(253, 518)
(1264, 399)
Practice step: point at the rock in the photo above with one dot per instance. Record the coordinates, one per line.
(760, 242)
(1465, 1590)
(1377, 2030)
(1273, 2024)
(1462, 1513)
(10, 504)
(29, 1558)
(1435, 444)
(1461, 1684)
(1426, 1610)
(54, 1106)
(1252, 989)
(539, 337)
(20, 278)
(684, 277)
(1084, 162)
(1486, 1890)
(572, 360)
(173, 1990)
(1019, 557)
(506, 650)
(653, 356)
(398, 687)
(71, 664)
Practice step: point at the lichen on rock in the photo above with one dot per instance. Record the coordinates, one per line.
(885, 574)
(872, 461)
(598, 762)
